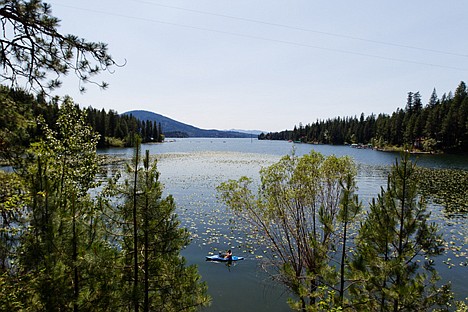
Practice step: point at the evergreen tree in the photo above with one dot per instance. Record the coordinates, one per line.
(417, 103)
(31, 47)
(393, 240)
(63, 252)
(349, 209)
(13, 207)
(409, 103)
(433, 100)
(157, 276)
(14, 123)
(439, 126)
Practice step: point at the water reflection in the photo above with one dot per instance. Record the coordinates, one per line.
(228, 263)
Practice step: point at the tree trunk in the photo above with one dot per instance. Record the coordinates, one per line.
(343, 256)
(76, 287)
(402, 228)
(135, 230)
(146, 226)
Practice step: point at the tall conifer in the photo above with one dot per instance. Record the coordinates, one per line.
(394, 239)
(159, 278)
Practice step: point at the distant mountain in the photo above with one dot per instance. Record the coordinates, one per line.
(172, 128)
(254, 132)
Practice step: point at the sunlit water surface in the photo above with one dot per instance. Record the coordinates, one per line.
(192, 168)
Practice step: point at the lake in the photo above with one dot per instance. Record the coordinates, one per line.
(192, 168)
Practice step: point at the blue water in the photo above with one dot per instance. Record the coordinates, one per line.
(192, 168)
(280, 148)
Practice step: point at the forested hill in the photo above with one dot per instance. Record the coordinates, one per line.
(172, 128)
(19, 108)
(114, 129)
(439, 125)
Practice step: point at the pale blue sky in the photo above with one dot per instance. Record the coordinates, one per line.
(269, 64)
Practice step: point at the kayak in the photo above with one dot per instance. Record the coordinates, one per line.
(221, 258)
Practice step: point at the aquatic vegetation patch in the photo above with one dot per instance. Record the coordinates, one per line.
(447, 187)
(192, 179)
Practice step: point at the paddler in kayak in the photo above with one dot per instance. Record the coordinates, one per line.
(228, 255)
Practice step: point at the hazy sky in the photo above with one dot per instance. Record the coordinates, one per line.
(269, 64)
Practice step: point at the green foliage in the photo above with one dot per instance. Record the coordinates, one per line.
(393, 240)
(305, 206)
(297, 211)
(325, 299)
(114, 142)
(462, 306)
(448, 187)
(32, 47)
(350, 207)
(64, 251)
(14, 122)
(13, 203)
(18, 129)
(117, 130)
(157, 277)
(439, 126)
(58, 245)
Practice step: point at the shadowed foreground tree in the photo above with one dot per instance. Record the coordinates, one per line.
(55, 252)
(157, 277)
(63, 261)
(31, 47)
(14, 122)
(13, 203)
(297, 211)
(350, 207)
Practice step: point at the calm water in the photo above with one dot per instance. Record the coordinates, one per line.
(192, 168)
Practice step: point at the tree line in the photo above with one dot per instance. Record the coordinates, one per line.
(119, 130)
(440, 125)
(114, 129)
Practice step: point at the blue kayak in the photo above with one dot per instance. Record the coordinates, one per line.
(221, 258)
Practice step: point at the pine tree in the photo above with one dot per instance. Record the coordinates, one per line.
(433, 100)
(417, 103)
(63, 253)
(14, 123)
(32, 47)
(393, 240)
(157, 275)
(349, 209)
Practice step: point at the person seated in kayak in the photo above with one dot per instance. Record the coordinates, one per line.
(228, 255)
